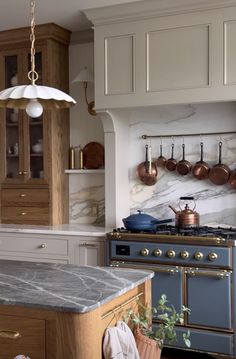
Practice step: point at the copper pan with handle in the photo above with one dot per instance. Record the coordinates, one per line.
(220, 173)
(171, 162)
(147, 170)
(201, 168)
(183, 167)
(161, 160)
(232, 179)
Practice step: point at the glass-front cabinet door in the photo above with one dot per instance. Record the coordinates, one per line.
(22, 136)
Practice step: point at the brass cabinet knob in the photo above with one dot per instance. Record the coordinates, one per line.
(25, 172)
(144, 252)
(212, 256)
(170, 253)
(198, 256)
(157, 252)
(20, 173)
(23, 213)
(184, 254)
(22, 195)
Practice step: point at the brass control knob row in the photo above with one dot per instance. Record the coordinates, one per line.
(183, 254)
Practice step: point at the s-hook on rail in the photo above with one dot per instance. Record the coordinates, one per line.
(144, 137)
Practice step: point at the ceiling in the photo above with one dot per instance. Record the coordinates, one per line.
(66, 13)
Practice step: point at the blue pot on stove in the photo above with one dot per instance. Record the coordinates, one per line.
(142, 222)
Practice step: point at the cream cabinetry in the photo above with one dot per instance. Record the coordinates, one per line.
(52, 248)
(89, 251)
(152, 59)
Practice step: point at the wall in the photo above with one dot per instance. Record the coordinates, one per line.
(216, 204)
(86, 190)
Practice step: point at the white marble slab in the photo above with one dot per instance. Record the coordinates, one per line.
(64, 287)
(63, 229)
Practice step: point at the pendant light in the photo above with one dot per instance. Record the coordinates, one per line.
(34, 98)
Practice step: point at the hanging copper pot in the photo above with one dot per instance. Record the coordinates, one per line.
(147, 170)
(201, 168)
(232, 179)
(219, 174)
(171, 162)
(186, 217)
(183, 167)
(161, 160)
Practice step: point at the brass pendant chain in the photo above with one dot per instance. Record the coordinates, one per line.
(32, 74)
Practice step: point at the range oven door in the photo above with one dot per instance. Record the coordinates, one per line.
(167, 280)
(208, 295)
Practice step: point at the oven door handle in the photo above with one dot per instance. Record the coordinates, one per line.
(218, 275)
(146, 267)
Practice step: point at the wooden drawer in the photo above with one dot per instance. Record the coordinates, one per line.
(31, 340)
(37, 246)
(21, 215)
(24, 196)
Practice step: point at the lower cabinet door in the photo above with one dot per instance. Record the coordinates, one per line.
(19, 335)
(209, 298)
(90, 253)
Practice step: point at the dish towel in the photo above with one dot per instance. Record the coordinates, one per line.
(119, 343)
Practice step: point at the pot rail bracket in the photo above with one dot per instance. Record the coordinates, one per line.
(144, 137)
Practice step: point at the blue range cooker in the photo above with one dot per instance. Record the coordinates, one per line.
(194, 267)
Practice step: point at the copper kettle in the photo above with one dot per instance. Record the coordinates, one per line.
(186, 217)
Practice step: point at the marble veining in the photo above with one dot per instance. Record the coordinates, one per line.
(214, 203)
(64, 287)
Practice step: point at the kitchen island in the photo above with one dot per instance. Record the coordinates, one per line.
(58, 311)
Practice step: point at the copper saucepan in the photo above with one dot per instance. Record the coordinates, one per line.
(171, 162)
(183, 167)
(161, 160)
(232, 179)
(201, 168)
(219, 174)
(147, 170)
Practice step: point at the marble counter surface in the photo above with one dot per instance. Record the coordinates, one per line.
(64, 287)
(63, 229)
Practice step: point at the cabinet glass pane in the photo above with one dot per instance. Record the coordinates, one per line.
(12, 121)
(12, 143)
(36, 147)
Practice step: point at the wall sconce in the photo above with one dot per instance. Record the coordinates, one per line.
(86, 76)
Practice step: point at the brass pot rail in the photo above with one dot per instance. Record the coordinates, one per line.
(144, 137)
(121, 306)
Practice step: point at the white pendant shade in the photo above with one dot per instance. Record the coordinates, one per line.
(48, 97)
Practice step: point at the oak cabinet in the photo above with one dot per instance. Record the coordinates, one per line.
(145, 58)
(34, 187)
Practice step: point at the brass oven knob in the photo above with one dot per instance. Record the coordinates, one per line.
(144, 252)
(198, 256)
(157, 252)
(184, 254)
(170, 253)
(212, 256)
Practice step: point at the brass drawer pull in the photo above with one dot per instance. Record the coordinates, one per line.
(9, 334)
(25, 172)
(92, 245)
(219, 275)
(23, 213)
(22, 195)
(43, 245)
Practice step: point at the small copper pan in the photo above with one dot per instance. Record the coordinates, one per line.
(232, 179)
(171, 162)
(183, 167)
(161, 160)
(201, 168)
(219, 174)
(147, 171)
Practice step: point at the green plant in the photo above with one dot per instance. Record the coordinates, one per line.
(168, 317)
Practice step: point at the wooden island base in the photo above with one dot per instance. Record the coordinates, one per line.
(45, 334)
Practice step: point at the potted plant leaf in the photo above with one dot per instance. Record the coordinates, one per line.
(150, 341)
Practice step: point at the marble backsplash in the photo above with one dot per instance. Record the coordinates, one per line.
(215, 204)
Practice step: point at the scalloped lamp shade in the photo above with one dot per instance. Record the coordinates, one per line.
(48, 97)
